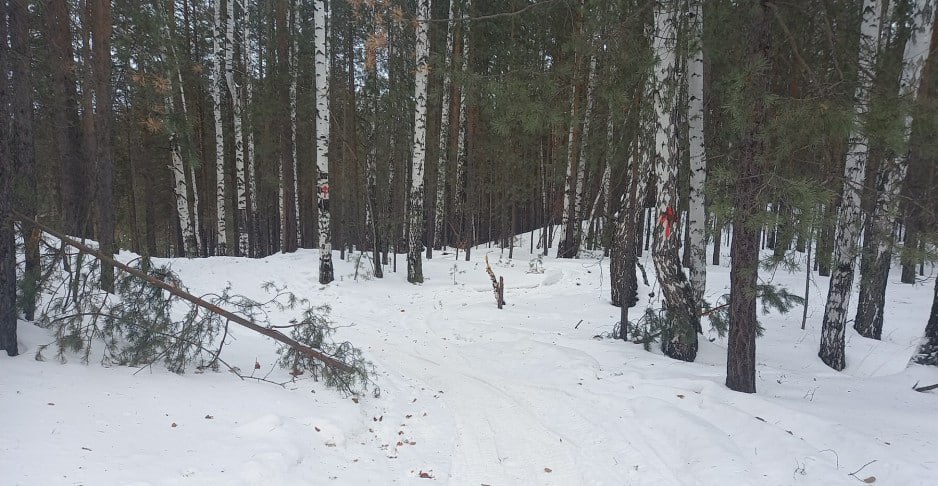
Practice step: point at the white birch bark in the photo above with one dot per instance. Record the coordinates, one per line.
(584, 143)
(236, 113)
(679, 341)
(217, 59)
(321, 40)
(415, 211)
(445, 129)
(894, 169)
(849, 221)
(697, 230)
(187, 223)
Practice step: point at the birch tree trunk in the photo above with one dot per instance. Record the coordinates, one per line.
(236, 113)
(849, 219)
(679, 339)
(415, 211)
(892, 174)
(322, 140)
(218, 48)
(697, 230)
(578, 206)
(446, 124)
(177, 166)
(566, 248)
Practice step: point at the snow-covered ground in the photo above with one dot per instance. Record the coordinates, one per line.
(472, 395)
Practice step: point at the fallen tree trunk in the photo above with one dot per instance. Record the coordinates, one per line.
(271, 333)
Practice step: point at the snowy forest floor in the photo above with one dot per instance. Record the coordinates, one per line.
(472, 395)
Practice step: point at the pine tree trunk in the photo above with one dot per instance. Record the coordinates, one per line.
(849, 216)
(371, 160)
(247, 50)
(415, 211)
(744, 274)
(294, 160)
(679, 340)
(75, 172)
(697, 216)
(462, 156)
(929, 351)
(282, 43)
(8, 341)
(322, 140)
(24, 151)
(218, 54)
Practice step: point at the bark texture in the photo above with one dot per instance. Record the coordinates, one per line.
(849, 219)
(415, 211)
(744, 274)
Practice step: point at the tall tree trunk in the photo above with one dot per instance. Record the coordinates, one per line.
(294, 160)
(75, 172)
(892, 174)
(218, 56)
(247, 51)
(23, 145)
(744, 274)
(447, 120)
(7, 234)
(850, 219)
(679, 340)
(284, 133)
(371, 158)
(566, 248)
(177, 165)
(578, 207)
(101, 27)
(696, 228)
(415, 211)
(461, 52)
(236, 114)
(322, 140)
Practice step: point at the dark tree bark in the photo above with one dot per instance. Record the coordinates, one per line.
(744, 274)
(74, 173)
(285, 137)
(929, 350)
(103, 114)
(874, 275)
(24, 151)
(7, 236)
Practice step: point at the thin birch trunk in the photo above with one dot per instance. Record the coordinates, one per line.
(236, 114)
(177, 167)
(218, 48)
(697, 230)
(578, 207)
(445, 131)
(892, 174)
(326, 272)
(849, 221)
(679, 339)
(415, 211)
